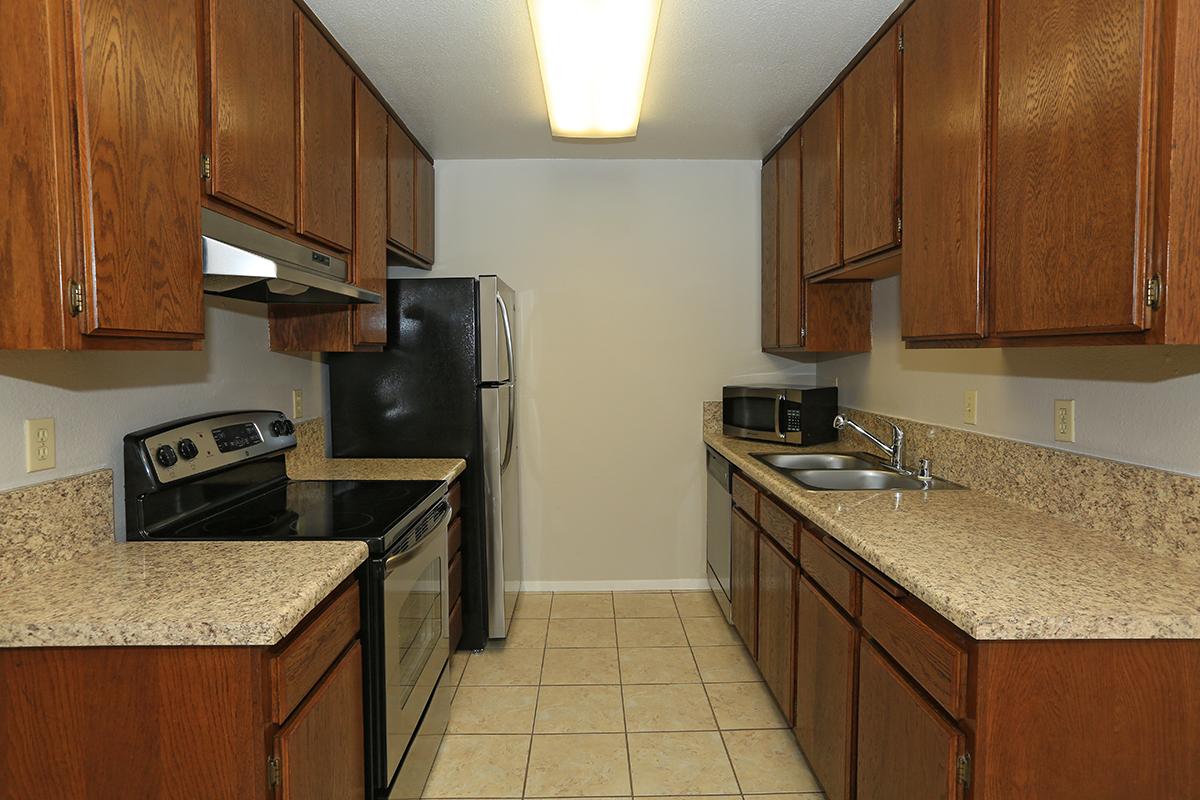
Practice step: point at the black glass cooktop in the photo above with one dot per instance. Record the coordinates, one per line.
(363, 510)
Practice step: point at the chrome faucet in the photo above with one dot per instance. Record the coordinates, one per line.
(894, 451)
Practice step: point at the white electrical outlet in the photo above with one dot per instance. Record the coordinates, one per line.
(1064, 420)
(297, 404)
(40, 451)
(971, 406)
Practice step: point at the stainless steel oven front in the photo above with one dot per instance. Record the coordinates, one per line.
(413, 647)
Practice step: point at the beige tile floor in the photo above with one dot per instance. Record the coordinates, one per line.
(626, 695)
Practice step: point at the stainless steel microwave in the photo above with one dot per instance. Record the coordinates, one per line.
(789, 414)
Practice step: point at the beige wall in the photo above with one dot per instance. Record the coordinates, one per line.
(638, 299)
(1135, 404)
(96, 398)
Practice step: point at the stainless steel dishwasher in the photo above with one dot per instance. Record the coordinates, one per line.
(720, 517)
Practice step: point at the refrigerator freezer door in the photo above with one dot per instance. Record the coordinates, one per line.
(497, 307)
(503, 524)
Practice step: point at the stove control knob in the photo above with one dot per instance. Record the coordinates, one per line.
(165, 455)
(288, 427)
(279, 427)
(188, 449)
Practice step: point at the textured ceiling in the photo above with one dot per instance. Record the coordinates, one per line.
(726, 80)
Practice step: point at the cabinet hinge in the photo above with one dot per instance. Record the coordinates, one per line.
(963, 769)
(900, 46)
(205, 167)
(75, 298)
(899, 225)
(274, 773)
(1154, 287)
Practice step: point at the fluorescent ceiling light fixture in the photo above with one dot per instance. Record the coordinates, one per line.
(594, 55)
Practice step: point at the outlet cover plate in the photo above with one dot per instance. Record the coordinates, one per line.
(971, 407)
(297, 404)
(1064, 420)
(40, 450)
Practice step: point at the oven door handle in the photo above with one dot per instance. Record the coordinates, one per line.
(428, 525)
(778, 411)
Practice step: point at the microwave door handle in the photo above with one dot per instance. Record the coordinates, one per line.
(778, 412)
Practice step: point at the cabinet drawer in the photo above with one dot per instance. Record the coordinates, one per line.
(745, 496)
(455, 537)
(455, 500)
(837, 578)
(454, 581)
(779, 524)
(936, 662)
(307, 654)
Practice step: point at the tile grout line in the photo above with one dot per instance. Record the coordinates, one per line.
(720, 734)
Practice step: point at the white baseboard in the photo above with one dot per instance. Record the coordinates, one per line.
(678, 584)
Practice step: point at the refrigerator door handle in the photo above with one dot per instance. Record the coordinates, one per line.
(512, 377)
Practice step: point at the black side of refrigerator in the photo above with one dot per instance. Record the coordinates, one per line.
(419, 398)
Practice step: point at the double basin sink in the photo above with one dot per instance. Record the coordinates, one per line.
(846, 472)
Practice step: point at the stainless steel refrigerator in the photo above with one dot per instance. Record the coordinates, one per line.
(445, 386)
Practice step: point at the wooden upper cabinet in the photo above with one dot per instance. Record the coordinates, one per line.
(821, 199)
(252, 106)
(790, 276)
(370, 213)
(326, 163)
(1072, 147)
(139, 137)
(423, 179)
(871, 152)
(770, 253)
(945, 112)
(906, 748)
(33, 241)
(401, 187)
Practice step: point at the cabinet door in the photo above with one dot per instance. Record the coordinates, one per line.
(777, 578)
(370, 212)
(743, 579)
(791, 275)
(32, 109)
(944, 122)
(821, 200)
(320, 748)
(326, 140)
(253, 106)
(140, 148)
(1072, 145)
(401, 187)
(871, 151)
(906, 748)
(826, 663)
(423, 239)
(770, 253)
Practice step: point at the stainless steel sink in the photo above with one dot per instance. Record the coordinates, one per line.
(794, 461)
(846, 472)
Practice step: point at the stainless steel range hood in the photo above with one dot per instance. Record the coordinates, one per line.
(244, 262)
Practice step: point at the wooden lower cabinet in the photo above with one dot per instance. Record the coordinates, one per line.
(319, 757)
(777, 582)
(743, 579)
(906, 748)
(254, 723)
(826, 675)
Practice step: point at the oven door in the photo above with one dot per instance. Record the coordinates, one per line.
(416, 643)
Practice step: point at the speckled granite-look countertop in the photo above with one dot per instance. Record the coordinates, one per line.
(308, 462)
(175, 593)
(995, 569)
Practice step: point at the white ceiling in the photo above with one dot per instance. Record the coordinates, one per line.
(727, 77)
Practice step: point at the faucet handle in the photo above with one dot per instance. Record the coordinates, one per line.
(924, 471)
